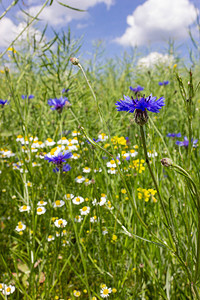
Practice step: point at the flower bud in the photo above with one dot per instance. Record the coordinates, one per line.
(141, 117)
(74, 60)
(166, 162)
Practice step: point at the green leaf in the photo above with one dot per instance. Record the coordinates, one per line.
(77, 9)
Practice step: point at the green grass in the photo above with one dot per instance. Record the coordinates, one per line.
(141, 256)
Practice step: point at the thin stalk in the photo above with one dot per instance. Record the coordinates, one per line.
(91, 89)
(152, 174)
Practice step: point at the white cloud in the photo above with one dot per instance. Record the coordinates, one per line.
(9, 31)
(155, 58)
(158, 20)
(57, 14)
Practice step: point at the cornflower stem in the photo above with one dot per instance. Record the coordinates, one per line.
(152, 174)
(91, 89)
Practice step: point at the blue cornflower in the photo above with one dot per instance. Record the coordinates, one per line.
(58, 104)
(185, 143)
(58, 160)
(29, 97)
(173, 135)
(3, 102)
(137, 89)
(65, 90)
(164, 82)
(140, 107)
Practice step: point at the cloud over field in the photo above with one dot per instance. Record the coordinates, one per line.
(57, 14)
(9, 31)
(158, 20)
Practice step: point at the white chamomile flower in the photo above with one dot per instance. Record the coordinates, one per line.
(58, 203)
(103, 137)
(85, 210)
(80, 179)
(75, 133)
(93, 219)
(20, 227)
(86, 170)
(75, 156)
(8, 289)
(78, 200)
(111, 164)
(102, 201)
(50, 238)
(42, 203)
(60, 223)
(105, 291)
(24, 208)
(68, 196)
(49, 142)
(76, 293)
(78, 219)
(41, 210)
(112, 171)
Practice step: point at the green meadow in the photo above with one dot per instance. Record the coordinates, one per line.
(90, 207)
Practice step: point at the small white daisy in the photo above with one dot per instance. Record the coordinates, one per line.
(105, 291)
(60, 223)
(85, 210)
(86, 170)
(8, 289)
(78, 200)
(76, 293)
(24, 208)
(41, 210)
(20, 227)
(78, 219)
(68, 196)
(80, 179)
(42, 203)
(50, 238)
(93, 219)
(58, 203)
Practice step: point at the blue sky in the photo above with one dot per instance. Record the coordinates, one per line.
(120, 24)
